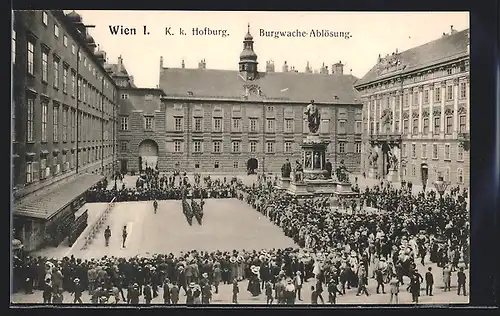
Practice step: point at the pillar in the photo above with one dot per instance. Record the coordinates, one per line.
(443, 95)
(455, 107)
(420, 101)
(431, 110)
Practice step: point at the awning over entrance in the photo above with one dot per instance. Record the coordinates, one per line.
(48, 203)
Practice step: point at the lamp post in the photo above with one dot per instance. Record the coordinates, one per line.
(440, 186)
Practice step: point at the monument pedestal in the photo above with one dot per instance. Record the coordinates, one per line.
(284, 184)
(372, 173)
(392, 176)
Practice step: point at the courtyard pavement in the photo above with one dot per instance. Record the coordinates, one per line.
(228, 224)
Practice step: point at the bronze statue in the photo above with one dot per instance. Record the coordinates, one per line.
(298, 171)
(341, 173)
(313, 117)
(286, 169)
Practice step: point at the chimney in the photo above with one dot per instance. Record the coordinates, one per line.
(161, 62)
(396, 51)
(183, 65)
(327, 71)
(338, 68)
(131, 79)
(379, 59)
(323, 70)
(202, 64)
(308, 68)
(452, 30)
(269, 66)
(119, 65)
(285, 67)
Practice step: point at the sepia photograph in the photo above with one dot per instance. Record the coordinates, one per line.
(165, 158)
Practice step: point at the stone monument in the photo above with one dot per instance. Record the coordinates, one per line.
(285, 180)
(311, 176)
(392, 174)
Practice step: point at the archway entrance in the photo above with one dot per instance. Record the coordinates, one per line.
(148, 155)
(252, 165)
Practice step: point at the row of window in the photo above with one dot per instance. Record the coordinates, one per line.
(85, 91)
(448, 128)
(237, 125)
(236, 147)
(435, 151)
(446, 174)
(53, 165)
(89, 126)
(385, 103)
(126, 96)
(86, 62)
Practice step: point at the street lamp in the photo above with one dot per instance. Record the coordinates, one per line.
(440, 186)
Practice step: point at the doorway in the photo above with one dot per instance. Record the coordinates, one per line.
(124, 166)
(252, 165)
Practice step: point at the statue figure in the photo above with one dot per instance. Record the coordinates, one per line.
(393, 161)
(317, 162)
(328, 168)
(313, 117)
(286, 169)
(374, 157)
(298, 172)
(308, 160)
(341, 173)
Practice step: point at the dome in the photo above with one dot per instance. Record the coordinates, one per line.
(89, 39)
(248, 54)
(74, 17)
(100, 54)
(248, 37)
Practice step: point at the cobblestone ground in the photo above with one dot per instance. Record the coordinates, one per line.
(228, 224)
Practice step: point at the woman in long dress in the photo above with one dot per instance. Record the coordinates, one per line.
(254, 282)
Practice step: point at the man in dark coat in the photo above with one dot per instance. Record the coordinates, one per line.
(429, 282)
(328, 168)
(166, 291)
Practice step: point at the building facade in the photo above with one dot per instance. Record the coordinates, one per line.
(416, 113)
(224, 121)
(63, 123)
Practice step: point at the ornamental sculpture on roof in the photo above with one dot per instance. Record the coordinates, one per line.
(313, 117)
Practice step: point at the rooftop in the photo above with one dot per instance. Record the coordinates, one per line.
(444, 49)
(294, 87)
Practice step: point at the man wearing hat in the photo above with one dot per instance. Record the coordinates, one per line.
(77, 291)
(190, 294)
(174, 293)
(166, 291)
(461, 278)
(217, 276)
(269, 292)
(133, 294)
(236, 290)
(298, 282)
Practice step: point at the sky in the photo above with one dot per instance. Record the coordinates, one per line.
(371, 34)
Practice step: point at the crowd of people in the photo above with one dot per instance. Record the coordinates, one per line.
(164, 187)
(336, 251)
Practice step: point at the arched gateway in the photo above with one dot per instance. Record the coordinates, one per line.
(148, 154)
(252, 165)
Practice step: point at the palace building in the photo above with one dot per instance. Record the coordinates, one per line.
(63, 123)
(225, 121)
(416, 113)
